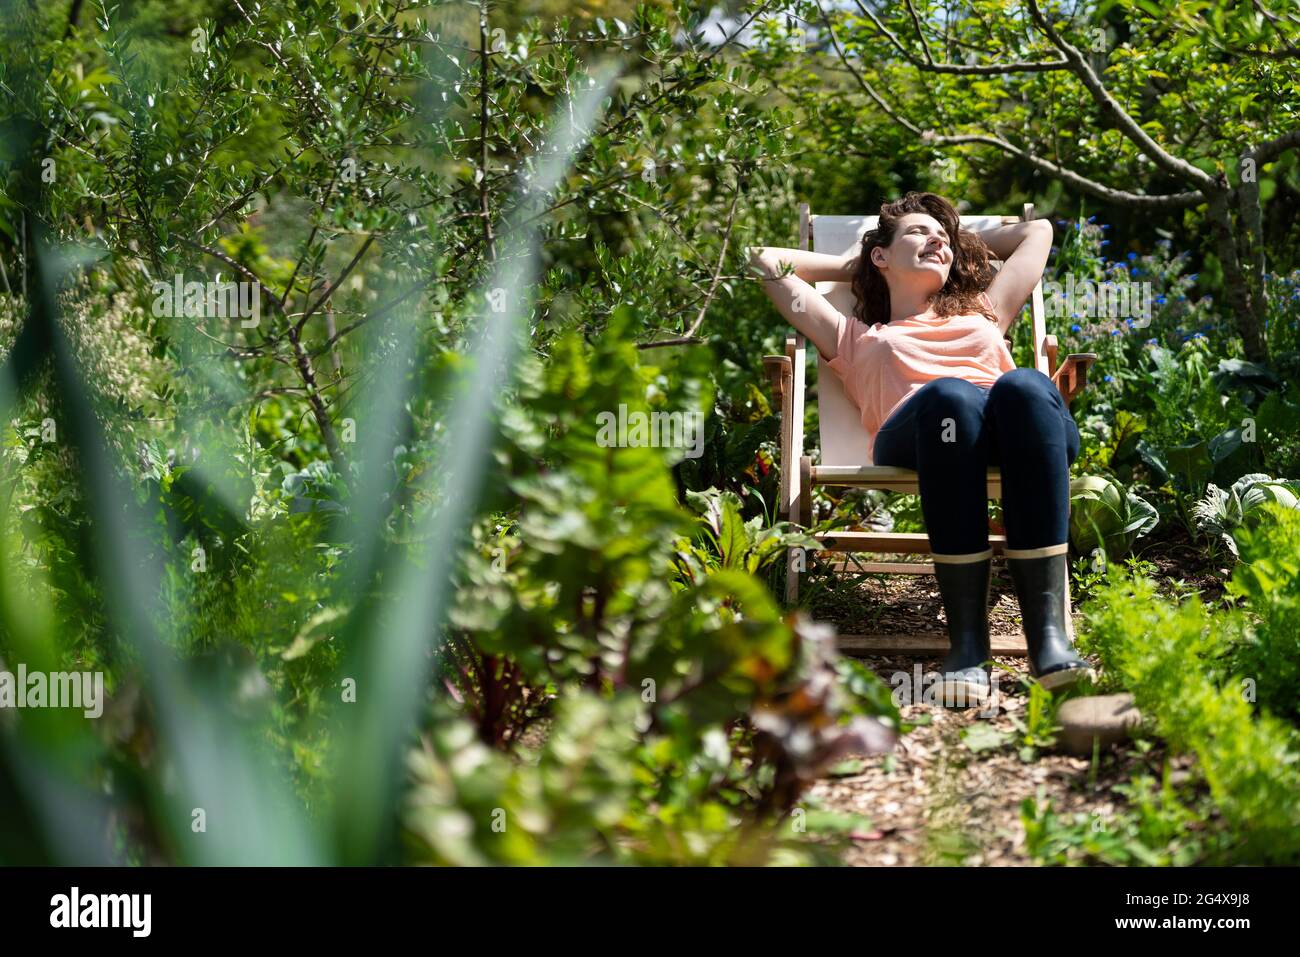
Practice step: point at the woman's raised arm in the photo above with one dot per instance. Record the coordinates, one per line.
(1023, 249)
(787, 276)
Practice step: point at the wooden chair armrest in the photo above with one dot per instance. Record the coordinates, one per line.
(1051, 348)
(1072, 377)
(1083, 359)
(777, 368)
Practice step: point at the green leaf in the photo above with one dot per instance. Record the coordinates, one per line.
(316, 628)
(982, 736)
(847, 769)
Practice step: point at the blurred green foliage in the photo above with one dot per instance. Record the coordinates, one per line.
(378, 599)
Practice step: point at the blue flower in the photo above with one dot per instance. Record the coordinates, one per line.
(1134, 271)
(1161, 300)
(1106, 379)
(1104, 242)
(1198, 335)
(1132, 256)
(1075, 328)
(1105, 226)
(1151, 342)
(1128, 322)
(1193, 275)
(1092, 217)
(1114, 332)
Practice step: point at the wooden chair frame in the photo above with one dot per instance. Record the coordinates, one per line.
(799, 475)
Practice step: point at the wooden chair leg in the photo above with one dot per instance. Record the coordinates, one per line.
(792, 560)
(1069, 616)
(805, 491)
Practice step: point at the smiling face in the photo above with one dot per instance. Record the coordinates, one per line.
(918, 259)
(920, 254)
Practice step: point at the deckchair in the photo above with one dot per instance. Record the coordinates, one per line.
(843, 440)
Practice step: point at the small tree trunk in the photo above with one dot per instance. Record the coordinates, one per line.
(319, 412)
(1246, 308)
(1251, 231)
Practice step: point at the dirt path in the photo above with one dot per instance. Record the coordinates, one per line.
(951, 792)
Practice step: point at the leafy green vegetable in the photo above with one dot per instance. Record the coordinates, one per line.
(1104, 515)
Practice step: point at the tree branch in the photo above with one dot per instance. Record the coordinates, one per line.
(1110, 106)
(330, 287)
(689, 335)
(1100, 190)
(1266, 152)
(976, 69)
(485, 62)
(301, 358)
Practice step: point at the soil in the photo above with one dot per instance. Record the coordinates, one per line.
(936, 799)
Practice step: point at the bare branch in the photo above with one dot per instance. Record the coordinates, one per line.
(862, 80)
(1100, 190)
(680, 341)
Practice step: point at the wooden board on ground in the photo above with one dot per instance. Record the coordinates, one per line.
(896, 543)
(922, 644)
(852, 566)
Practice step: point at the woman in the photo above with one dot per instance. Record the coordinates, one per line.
(923, 358)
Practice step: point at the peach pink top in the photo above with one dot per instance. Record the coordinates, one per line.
(881, 366)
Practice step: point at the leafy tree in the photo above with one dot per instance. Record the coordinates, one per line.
(1160, 106)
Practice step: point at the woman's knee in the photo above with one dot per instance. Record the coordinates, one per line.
(949, 393)
(1025, 409)
(950, 409)
(1072, 440)
(1023, 384)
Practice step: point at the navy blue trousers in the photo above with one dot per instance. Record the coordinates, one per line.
(952, 431)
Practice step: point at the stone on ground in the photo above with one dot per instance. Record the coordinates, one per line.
(1107, 718)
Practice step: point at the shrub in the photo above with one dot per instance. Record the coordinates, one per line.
(1268, 580)
(1175, 660)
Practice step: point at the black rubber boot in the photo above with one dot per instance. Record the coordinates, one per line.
(1040, 587)
(964, 587)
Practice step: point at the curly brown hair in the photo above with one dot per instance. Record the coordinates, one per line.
(969, 276)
